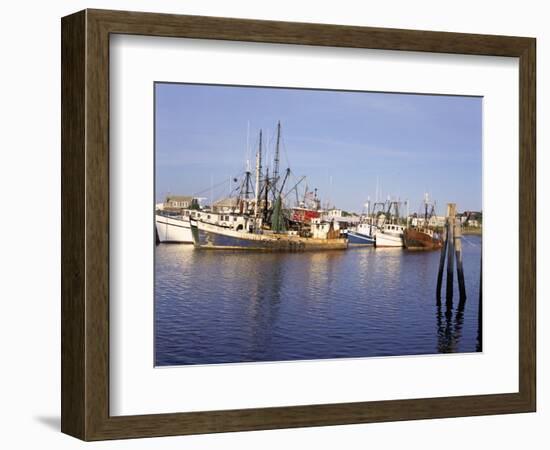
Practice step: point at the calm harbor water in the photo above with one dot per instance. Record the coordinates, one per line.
(228, 307)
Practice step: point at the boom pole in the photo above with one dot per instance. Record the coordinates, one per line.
(284, 181)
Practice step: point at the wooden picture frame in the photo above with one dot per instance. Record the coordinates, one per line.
(85, 224)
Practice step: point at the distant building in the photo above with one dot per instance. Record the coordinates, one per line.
(417, 221)
(471, 219)
(179, 202)
(437, 221)
(433, 221)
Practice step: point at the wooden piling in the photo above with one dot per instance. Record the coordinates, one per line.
(451, 213)
(459, 268)
(480, 308)
(451, 249)
(442, 264)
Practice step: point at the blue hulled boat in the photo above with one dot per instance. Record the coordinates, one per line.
(362, 234)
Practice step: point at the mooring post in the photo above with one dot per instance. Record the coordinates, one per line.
(459, 268)
(451, 213)
(480, 308)
(442, 264)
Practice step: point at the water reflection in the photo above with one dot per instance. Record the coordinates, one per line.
(479, 344)
(217, 307)
(449, 334)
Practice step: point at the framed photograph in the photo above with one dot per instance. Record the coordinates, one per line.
(273, 225)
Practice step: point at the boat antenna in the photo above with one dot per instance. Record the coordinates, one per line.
(248, 181)
(248, 146)
(368, 205)
(211, 193)
(426, 202)
(330, 192)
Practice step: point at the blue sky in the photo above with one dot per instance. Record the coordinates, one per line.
(342, 141)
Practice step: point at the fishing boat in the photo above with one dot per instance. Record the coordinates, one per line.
(171, 228)
(211, 236)
(260, 221)
(422, 236)
(422, 239)
(362, 234)
(307, 209)
(389, 232)
(389, 235)
(300, 214)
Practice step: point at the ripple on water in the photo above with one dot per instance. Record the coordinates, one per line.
(222, 307)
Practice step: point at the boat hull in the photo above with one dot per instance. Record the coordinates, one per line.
(388, 240)
(210, 236)
(355, 238)
(419, 240)
(173, 230)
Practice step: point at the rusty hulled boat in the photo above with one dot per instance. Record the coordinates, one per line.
(422, 235)
(421, 239)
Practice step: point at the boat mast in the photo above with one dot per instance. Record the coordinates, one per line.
(246, 186)
(244, 192)
(276, 159)
(258, 175)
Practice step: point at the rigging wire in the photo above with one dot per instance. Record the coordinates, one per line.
(285, 153)
(215, 186)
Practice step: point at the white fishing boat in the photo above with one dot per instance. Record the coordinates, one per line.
(173, 228)
(390, 231)
(389, 235)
